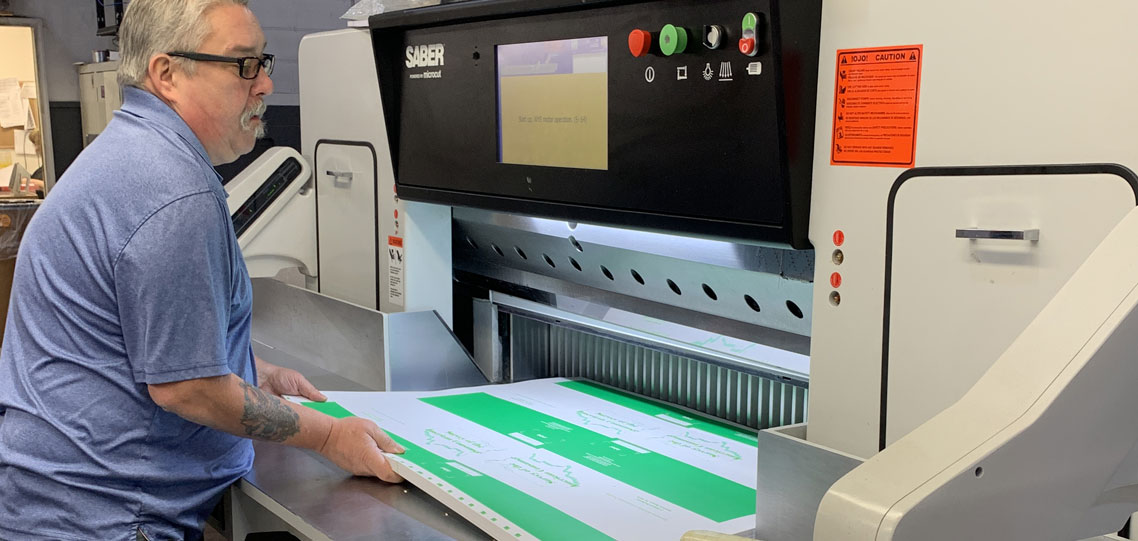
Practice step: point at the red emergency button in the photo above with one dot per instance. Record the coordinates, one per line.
(747, 46)
(639, 42)
(839, 237)
(836, 280)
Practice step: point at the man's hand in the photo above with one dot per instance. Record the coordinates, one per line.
(354, 444)
(282, 381)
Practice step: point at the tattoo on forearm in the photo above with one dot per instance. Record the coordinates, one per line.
(266, 416)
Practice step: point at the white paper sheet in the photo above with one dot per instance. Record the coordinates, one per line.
(12, 111)
(28, 90)
(592, 463)
(29, 118)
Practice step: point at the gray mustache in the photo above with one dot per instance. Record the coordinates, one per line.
(247, 116)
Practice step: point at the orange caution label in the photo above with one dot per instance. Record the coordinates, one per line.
(876, 94)
(397, 242)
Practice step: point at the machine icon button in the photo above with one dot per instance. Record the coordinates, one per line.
(747, 46)
(708, 73)
(650, 74)
(673, 39)
(639, 42)
(681, 73)
(725, 73)
(713, 35)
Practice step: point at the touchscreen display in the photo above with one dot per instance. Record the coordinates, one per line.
(553, 103)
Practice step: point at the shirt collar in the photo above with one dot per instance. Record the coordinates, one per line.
(141, 103)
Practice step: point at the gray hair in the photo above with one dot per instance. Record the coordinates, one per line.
(152, 27)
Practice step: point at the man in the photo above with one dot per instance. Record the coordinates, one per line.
(126, 374)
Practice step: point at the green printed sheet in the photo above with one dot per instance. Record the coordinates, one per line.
(561, 459)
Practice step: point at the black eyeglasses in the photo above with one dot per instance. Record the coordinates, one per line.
(248, 66)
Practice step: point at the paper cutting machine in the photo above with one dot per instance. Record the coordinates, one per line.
(853, 212)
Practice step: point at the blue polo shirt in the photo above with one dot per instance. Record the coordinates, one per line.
(128, 275)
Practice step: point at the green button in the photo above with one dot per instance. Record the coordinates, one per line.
(673, 40)
(750, 21)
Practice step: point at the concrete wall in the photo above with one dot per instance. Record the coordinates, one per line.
(285, 22)
(69, 37)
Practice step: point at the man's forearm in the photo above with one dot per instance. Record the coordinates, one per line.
(267, 417)
(230, 404)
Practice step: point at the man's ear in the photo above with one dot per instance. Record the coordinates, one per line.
(160, 77)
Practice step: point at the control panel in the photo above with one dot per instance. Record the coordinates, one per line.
(689, 115)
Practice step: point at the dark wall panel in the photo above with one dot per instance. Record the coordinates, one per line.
(283, 122)
(66, 133)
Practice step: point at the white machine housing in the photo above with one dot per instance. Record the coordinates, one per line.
(998, 88)
(367, 238)
(1025, 124)
(283, 236)
(1042, 447)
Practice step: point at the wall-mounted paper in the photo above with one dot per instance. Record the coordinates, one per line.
(12, 111)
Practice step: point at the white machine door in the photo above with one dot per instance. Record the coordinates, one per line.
(346, 220)
(972, 255)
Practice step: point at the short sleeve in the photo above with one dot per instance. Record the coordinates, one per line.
(173, 283)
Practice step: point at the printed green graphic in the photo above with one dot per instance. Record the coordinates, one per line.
(669, 479)
(529, 513)
(656, 409)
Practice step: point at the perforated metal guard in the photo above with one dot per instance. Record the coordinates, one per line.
(755, 285)
(539, 349)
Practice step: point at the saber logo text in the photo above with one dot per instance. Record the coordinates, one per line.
(422, 56)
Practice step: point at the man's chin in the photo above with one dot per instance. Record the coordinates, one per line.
(260, 132)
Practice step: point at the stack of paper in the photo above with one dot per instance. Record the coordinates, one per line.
(564, 459)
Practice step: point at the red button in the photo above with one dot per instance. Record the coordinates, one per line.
(639, 42)
(839, 237)
(836, 280)
(747, 46)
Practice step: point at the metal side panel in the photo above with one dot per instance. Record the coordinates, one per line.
(351, 346)
(336, 336)
(487, 342)
(423, 355)
(794, 475)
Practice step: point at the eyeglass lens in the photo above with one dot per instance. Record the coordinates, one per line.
(251, 66)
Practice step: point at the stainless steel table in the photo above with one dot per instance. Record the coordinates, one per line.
(300, 491)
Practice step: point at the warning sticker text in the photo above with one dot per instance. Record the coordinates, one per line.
(876, 97)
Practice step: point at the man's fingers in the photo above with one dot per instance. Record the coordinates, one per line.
(309, 391)
(384, 441)
(381, 468)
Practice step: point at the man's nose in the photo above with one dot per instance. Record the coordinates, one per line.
(263, 84)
